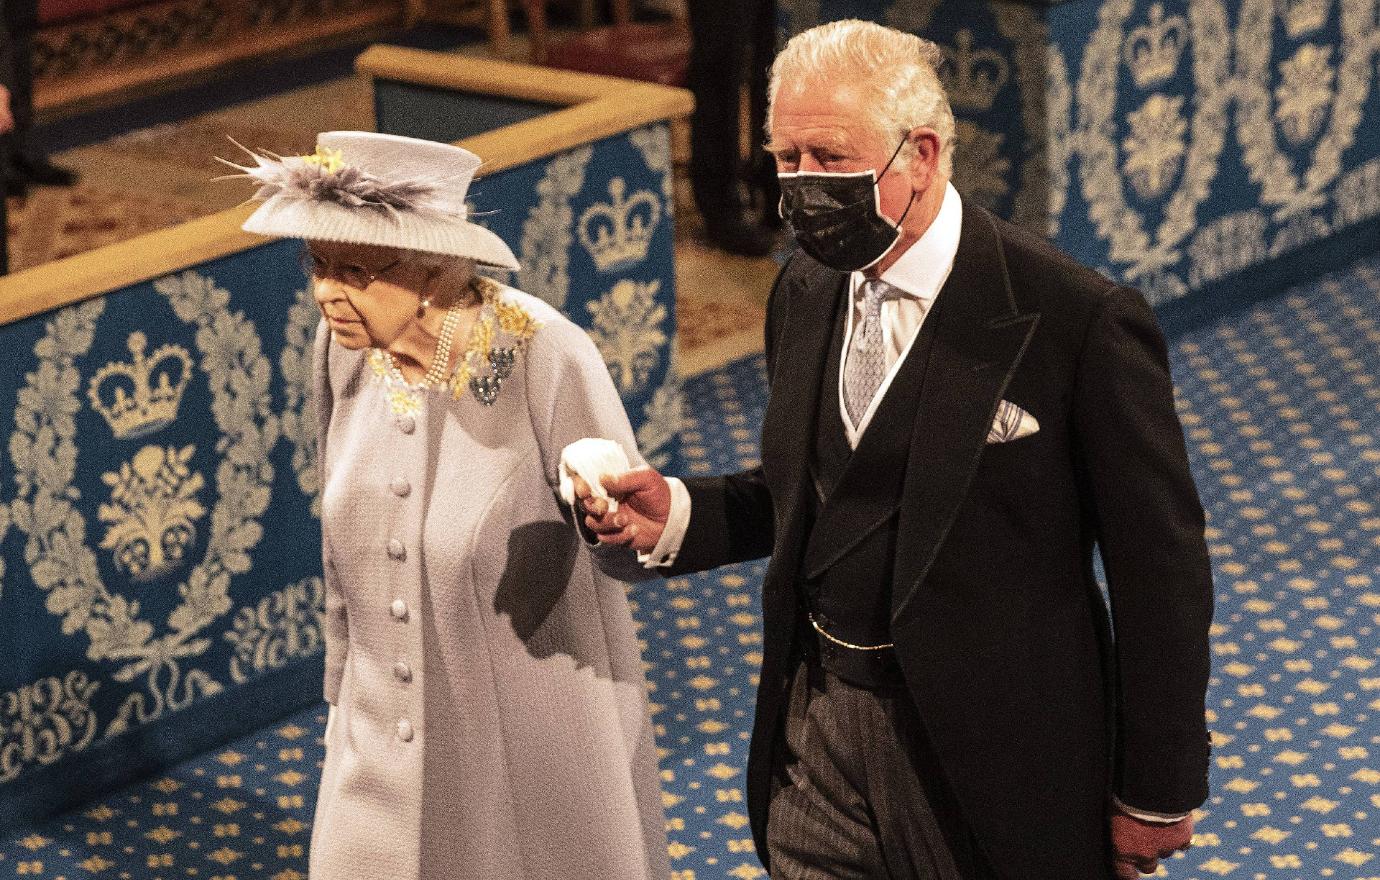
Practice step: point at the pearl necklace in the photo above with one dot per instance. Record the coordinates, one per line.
(440, 361)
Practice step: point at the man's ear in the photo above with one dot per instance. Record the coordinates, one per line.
(924, 162)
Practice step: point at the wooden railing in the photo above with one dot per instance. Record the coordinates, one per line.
(593, 107)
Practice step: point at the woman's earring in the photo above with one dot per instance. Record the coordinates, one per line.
(423, 306)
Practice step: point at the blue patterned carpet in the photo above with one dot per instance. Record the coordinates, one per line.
(1280, 405)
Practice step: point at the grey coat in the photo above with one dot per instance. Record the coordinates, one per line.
(491, 713)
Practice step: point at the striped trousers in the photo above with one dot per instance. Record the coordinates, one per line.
(857, 794)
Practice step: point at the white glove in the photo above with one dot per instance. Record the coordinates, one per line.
(330, 722)
(590, 459)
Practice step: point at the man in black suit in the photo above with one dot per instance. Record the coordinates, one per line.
(24, 163)
(959, 414)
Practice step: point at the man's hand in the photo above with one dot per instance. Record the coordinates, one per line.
(1138, 846)
(644, 503)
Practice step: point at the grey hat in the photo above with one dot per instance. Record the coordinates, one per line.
(362, 187)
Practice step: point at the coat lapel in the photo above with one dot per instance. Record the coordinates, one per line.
(789, 422)
(857, 508)
(980, 335)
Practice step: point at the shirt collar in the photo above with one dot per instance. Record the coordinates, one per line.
(924, 267)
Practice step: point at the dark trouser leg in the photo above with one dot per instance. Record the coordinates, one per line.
(958, 837)
(718, 42)
(848, 803)
(762, 167)
(721, 39)
(21, 20)
(4, 236)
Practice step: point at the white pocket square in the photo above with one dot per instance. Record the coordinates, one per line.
(1011, 423)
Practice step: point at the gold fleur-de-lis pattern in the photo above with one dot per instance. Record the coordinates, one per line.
(241, 811)
(703, 641)
(1279, 406)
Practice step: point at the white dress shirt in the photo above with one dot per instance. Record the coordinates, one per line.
(917, 275)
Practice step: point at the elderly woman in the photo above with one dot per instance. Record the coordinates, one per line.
(488, 712)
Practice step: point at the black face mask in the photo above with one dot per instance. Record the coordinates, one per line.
(837, 216)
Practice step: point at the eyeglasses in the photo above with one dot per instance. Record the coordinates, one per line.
(350, 274)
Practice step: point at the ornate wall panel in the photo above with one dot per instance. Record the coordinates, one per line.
(593, 229)
(156, 490)
(1230, 135)
(1174, 144)
(995, 71)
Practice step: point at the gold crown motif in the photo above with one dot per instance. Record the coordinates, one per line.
(618, 234)
(974, 77)
(1304, 16)
(141, 397)
(1153, 49)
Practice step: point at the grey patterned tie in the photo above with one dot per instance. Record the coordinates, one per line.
(866, 362)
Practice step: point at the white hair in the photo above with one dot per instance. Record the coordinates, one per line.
(441, 262)
(455, 273)
(898, 73)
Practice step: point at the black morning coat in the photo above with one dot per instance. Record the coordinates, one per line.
(1037, 716)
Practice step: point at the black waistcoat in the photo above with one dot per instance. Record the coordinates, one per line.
(847, 572)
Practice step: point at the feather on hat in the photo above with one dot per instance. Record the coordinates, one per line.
(378, 189)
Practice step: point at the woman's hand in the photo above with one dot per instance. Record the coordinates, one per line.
(644, 504)
(330, 722)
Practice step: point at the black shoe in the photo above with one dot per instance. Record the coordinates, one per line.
(15, 187)
(743, 239)
(41, 172)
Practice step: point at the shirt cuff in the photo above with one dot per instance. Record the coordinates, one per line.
(673, 535)
(1149, 816)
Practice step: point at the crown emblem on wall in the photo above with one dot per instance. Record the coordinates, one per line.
(1304, 16)
(618, 233)
(1153, 49)
(974, 77)
(141, 397)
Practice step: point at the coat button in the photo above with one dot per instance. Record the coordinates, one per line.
(396, 550)
(400, 486)
(405, 730)
(402, 671)
(399, 609)
(407, 424)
